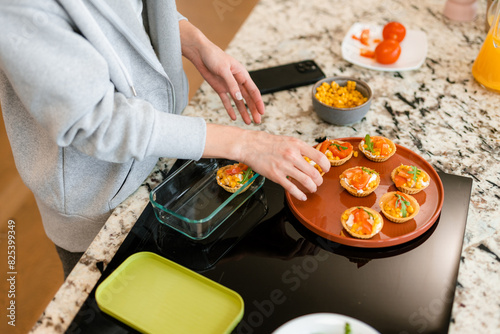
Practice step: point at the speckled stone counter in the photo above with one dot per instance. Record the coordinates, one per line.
(439, 111)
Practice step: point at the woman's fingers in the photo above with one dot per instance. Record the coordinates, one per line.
(252, 107)
(252, 95)
(297, 177)
(318, 157)
(293, 190)
(281, 159)
(237, 95)
(226, 101)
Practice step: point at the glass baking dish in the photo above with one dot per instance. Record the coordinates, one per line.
(191, 202)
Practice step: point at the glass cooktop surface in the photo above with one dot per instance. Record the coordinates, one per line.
(282, 270)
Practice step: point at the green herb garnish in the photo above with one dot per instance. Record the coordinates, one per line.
(339, 146)
(401, 201)
(415, 171)
(247, 175)
(347, 328)
(369, 213)
(367, 170)
(368, 143)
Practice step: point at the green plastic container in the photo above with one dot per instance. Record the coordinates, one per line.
(154, 295)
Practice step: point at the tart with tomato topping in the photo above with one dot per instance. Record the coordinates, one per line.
(233, 177)
(337, 152)
(410, 179)
(377, 148)
(315, 165)
(359, 181)
(398, 207)
(362, 222)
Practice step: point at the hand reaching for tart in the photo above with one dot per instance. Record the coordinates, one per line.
(277, 158)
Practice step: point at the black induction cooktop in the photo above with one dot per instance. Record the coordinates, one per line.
(282, 270)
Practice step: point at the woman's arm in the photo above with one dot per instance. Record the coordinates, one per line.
(275, 157)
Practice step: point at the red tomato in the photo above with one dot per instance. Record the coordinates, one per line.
(242, 166)
(387, 52)
(343, 151)
(358, 178)
(366, 53)
(394, 30)
(364, 38)
(404, 174)
(324, 145)
(361, 216)
(233, 170)
(385, 149)
(399, 180)
(382, 145)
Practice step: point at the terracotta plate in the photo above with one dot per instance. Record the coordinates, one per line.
(322, 210)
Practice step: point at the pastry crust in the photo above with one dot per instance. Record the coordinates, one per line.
(371, 157)
(376, 228)
(408, 190)
(228, 188)
(339, 162)
(386, 197)
(352, 190)
(315, 165)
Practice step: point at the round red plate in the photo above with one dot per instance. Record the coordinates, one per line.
(322, 210)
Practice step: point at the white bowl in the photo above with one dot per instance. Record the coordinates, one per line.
(325, 323)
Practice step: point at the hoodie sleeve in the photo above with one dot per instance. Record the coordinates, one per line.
(181, 17)
(64, 83)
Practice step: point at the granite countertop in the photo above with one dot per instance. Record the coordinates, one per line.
(439, 111)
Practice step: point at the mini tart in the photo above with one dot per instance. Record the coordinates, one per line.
(378, 154)
(393, 213)
(369, 175)
(410, 179)
(333, 151)
(315, 165)
(350, 222)
(230, 182)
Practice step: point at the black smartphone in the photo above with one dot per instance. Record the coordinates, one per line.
(283, 77)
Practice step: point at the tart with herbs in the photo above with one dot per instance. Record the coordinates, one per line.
(315, 165)
(377, 148)
(337, 152)
(410, 179)
(233, 177)
(362, 222)
(398, 207)
(359, 181)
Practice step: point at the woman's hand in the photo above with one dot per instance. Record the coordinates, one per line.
(279, 158)
(224, 73)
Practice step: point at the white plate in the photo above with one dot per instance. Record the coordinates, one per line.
(325, 323)
(413, 49)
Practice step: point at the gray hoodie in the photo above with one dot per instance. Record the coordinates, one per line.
(91, 98)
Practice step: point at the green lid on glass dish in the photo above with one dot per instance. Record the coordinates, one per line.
(155, 295)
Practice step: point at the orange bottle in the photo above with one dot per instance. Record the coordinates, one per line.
(486, 68)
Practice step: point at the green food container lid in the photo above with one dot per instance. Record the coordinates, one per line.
(155, 295)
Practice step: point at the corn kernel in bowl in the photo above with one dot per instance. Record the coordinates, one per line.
(340, 97)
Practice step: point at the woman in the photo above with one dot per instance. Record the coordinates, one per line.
(92, 93)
